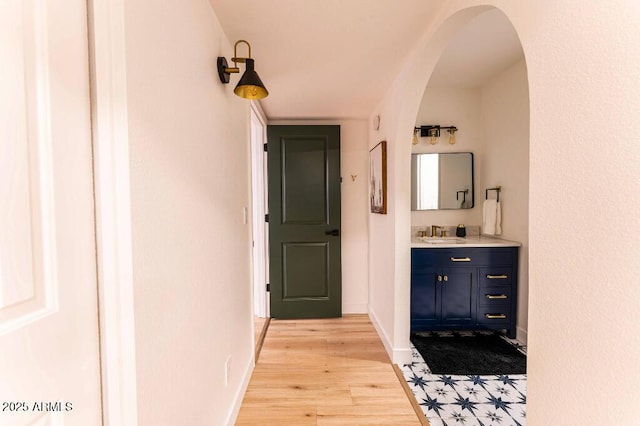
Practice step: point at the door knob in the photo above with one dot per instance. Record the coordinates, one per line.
(333, 232)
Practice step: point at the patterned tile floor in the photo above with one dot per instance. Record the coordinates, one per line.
(467, 400)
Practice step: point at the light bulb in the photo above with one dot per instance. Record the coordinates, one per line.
(434, 136)
(415, 137)
(452, 135)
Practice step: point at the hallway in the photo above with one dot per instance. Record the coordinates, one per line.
(324, 372)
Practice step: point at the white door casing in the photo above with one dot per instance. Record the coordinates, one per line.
(49, 350)
(258, 200)
(113, 211)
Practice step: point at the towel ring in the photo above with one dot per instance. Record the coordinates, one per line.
(497, 189)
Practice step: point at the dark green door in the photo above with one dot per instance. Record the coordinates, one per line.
(304, 221)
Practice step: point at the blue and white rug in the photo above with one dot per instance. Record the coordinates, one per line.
(449, 400)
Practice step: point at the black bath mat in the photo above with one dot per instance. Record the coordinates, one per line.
(473, 355)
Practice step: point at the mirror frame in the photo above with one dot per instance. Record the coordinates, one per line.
(472, 189)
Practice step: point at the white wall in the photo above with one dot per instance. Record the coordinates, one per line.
(354, 161)
(458, 107)
(583, 336)
(189, 182)
(505, 119)
(355, 205)
(389, 261)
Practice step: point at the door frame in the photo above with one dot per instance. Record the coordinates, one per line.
(110, 134)
(302, 129)
(260, 249)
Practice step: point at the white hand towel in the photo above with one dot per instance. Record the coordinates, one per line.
(489, 212)
(498, 218)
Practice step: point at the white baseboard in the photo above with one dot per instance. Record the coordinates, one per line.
(398, 356)
(521, 335)
(237, 401)
(355, 308)
(402, 356)
(383, 336)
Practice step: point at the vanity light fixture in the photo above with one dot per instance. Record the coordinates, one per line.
(250, 86)
(433, 133)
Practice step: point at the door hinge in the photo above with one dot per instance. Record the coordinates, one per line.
(268, 287)
(265, 147)
(266, 217)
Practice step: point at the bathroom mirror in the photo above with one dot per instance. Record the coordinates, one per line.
(442, 181)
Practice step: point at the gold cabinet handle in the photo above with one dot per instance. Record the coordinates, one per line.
(446, 278)
(495, 316)
(460, 259)
(497, 277)
(496, 296)
(439, 278)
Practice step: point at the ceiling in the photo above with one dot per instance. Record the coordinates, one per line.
(484, 47)
(334, 59)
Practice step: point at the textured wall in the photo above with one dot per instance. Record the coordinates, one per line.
(583, 334)
(189, 183)
(505, 120)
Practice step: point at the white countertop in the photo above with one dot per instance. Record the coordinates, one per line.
(453, 242)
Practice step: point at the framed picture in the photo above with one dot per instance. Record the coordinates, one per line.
(378, 178)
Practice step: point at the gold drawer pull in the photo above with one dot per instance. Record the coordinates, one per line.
(497, 277)
(461, 259)
(496, 296)
(495, 316)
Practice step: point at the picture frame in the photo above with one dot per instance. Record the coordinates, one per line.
(378, 178)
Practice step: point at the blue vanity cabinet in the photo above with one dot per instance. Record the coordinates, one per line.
(425, 311)
(440, 294)
(467, 288)
(457, 294)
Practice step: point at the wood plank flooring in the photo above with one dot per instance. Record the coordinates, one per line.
(325, 372)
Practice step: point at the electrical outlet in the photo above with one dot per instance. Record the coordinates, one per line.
(227, 371)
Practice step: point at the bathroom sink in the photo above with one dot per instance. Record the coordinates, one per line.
(441, 240)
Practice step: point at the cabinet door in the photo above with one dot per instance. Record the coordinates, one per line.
(425, 309)
(459, 296)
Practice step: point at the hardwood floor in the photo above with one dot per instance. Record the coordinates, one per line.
(325, 372)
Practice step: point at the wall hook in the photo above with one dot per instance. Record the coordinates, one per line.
(353, 177)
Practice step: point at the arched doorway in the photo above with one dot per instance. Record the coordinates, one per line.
(479, 84)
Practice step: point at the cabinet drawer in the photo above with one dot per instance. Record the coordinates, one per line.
(472, 256)
(494, 296)
(494, 314)
(496, 275)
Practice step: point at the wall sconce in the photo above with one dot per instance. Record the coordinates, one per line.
(433, 132)
(250, 86)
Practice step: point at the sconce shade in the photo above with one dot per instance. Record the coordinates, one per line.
(250, 86)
